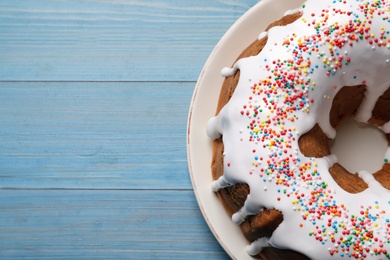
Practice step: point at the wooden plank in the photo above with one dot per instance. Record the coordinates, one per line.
(90, 224)
(94, 134)
(111, 40)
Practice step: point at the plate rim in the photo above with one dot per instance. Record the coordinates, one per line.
(233, 30)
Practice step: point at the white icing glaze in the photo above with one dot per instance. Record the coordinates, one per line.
(262, 35)
(281, 94)
(387, 155)
(386, 127)
(293, 11)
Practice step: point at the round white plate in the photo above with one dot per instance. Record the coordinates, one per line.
(203, 106)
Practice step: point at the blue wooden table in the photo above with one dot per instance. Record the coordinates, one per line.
(94, 98)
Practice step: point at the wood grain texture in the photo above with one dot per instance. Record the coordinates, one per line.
(111, 40)
(94, 134)
(104, 224)
(94, 96)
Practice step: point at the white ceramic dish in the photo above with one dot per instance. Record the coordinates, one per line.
(204, 103)
(351, 138)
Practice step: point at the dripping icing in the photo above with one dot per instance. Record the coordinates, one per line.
(334, 61)
(262, 35)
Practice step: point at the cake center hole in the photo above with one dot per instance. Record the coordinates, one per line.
(359, 146)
